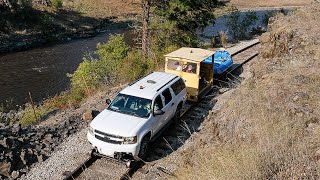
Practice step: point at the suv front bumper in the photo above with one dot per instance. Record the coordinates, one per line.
(114, 150)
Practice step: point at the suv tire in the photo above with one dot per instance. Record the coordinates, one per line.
(176, 117)
(144, 147)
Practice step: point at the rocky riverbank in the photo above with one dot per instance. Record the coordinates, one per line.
(22, 147)
(25, 40)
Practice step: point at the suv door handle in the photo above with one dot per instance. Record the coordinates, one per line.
(172, 104)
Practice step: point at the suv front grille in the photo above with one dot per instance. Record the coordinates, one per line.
(106, 139)
(113, 139)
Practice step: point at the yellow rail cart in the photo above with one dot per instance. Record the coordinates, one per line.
(190, 64)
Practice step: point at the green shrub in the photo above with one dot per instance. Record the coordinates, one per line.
(46, 20)
(56, 4)
(111, 57)
(135, 67)
(105, 69)
(32, 117)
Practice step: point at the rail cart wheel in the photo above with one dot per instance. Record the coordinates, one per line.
(144, 147)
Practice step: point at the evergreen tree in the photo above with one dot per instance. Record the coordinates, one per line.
(179, 20)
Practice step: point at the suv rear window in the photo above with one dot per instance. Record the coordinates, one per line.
(167, 96)
(178, 86)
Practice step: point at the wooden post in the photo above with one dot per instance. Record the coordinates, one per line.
(32, 104)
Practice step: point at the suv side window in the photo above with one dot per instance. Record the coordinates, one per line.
(167, 96)
(158, 103)
(178, 86)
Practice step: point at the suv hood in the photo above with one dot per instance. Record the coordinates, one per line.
(115, 123)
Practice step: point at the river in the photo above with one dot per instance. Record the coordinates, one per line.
(42, 71)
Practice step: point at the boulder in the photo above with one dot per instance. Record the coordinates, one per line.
(4, 142)
(300, 95)
(48, 137)
(15, 174)
(23, 157)
(40, 158)
(5, 168)
(87, 116)
(16, 128)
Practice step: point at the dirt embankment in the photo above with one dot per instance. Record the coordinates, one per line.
(269, 127)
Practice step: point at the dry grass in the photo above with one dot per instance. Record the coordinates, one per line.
(270, 128)
(103, 8)
(269, 3)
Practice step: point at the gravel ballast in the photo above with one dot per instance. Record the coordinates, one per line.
(69, 155)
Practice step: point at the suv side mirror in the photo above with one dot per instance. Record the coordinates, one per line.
(158, 112)
(108, 101)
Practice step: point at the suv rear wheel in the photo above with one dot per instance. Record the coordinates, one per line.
(144, 147)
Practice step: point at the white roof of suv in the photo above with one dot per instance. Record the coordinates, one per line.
(148, 86)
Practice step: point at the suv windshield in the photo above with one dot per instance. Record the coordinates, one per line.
(131, 105)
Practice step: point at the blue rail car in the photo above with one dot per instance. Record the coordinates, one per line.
(222, 61)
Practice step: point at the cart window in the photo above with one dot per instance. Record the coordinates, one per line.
(190, 68)
(174, 65)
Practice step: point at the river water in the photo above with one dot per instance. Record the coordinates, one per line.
(42, 71)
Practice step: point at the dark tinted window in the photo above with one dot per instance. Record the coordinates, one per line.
(167, 95)
(178, 86)
(158, 103)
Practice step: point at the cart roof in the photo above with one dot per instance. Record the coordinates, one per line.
(194, 54)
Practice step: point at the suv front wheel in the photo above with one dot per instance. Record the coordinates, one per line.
(144, 147)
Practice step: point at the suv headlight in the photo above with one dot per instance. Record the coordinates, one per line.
(91, 131)
(130, 140)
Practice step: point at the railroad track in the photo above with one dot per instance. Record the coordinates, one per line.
(172, 138)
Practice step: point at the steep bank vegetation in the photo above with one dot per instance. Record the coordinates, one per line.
(270, 127)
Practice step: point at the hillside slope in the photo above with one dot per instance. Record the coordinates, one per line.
(270, 127)
(269, 3)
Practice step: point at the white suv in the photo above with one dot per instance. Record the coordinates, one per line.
(136, 115)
